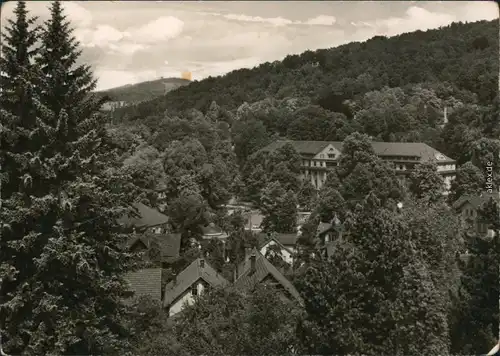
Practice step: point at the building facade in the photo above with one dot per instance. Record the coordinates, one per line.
(320, 156)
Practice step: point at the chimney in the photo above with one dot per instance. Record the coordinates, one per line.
(252, 263)
(248, 251)
(235, 272)
(175, 278)
(202, 263)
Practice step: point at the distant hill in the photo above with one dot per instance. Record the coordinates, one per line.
(134, 93)
(463, 57)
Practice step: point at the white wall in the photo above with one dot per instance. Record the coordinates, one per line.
(287, 256)
(186, 298)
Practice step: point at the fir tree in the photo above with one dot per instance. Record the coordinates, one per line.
(60, 239)
(17, 121)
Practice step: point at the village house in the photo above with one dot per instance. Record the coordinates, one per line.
(189, 283)
(159, 248)
(469, 205)
(257, 270)
(319, 156)
(286, 243)
(149, 234)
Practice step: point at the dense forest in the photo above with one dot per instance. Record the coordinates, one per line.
(406, 275)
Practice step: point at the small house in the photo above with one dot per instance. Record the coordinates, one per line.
(469, 205)
(190, 283)
(257, 270)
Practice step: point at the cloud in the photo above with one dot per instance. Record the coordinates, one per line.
(416, 18)
(133, 39)
(161, 29)
(479, 10)
(100, 36)
(127, 48)
(77, 14)
(110, 78)
(276, 21)
(321, 20)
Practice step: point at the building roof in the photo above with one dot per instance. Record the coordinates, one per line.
(188, 277)
(263, 269)
(302, 147)
(253, 219)
(265, 240)
(144, 217)
(211, 229)
(475, 200)
(145, 281)
(401, 149)
(324, 227)
(286, 240)
(170, 244)
(409, 149)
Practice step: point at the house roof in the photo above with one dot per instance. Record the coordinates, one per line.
(253, 219)
(211, 229)
(420, 149)
(145, 281)
(263, 269)
(144, 217)
(170, 244)
(402, 149)
(286, 240)
(265, 241)
(475, 200)
(302, 147)
(188, 277)
(323, 227)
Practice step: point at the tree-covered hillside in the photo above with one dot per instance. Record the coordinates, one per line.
(463, 57)
(149, 90)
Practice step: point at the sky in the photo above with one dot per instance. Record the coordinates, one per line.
(132, 41)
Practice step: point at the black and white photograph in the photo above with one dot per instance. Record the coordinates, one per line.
(249, 178)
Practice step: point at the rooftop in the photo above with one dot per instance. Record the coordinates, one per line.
(263, 268)
(284, 239)
(145, 281)
(170, 244)
(382, 149)
(144, 216)
(476, 200)
(188, 277)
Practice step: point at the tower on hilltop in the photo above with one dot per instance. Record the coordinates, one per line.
(186, 75)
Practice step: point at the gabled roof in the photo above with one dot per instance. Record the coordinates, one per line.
(188, 277)
(475, 200)
(264, 242)
(145, 281)
(402, 149)
(302, 147)
(263, 269)
(410, 149)
(286, 240)
(170, 244)
(144, 218)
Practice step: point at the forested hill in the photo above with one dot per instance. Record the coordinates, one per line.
(462, 56)
(145, 90)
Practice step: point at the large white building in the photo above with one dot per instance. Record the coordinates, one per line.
(319, 156)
